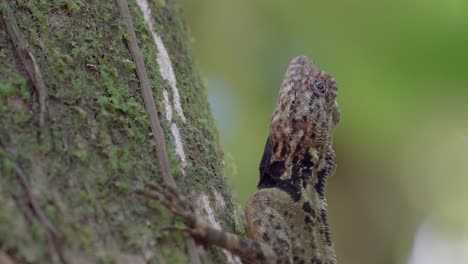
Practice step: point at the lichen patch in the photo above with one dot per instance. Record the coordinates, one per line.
(179, 146)
(167, 105)
(167, 72)
(204, 202)
(163, 59)
(219, 198)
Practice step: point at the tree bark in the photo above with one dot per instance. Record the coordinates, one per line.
(76, 140)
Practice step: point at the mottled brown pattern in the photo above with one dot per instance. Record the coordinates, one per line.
(286, 217)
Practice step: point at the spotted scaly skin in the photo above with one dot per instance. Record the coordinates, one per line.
(286, 217)
(288, 212)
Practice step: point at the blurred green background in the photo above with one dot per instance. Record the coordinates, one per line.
(400, 194)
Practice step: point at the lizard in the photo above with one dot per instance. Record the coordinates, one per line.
(286, 217)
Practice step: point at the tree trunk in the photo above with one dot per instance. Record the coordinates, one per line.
(76, 140)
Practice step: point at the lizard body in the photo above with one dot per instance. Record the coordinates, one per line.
(286, 217)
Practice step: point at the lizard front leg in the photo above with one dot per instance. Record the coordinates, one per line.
(249, 250)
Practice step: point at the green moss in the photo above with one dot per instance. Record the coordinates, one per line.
(37, 9)
(105, 257)
(12, 226)
(14, 84)
(7, 167)
(161, 2)
(73, 6)
(83, 236)
(7, 90)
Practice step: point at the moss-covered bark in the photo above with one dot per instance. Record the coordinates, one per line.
(96, 146)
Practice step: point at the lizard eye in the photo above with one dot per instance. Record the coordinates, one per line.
(320, 86)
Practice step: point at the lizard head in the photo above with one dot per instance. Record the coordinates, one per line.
(299, 148)
(306, 110)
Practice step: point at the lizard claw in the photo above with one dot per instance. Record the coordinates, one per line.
(177, 228)
(172, 200)
(196, 233)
